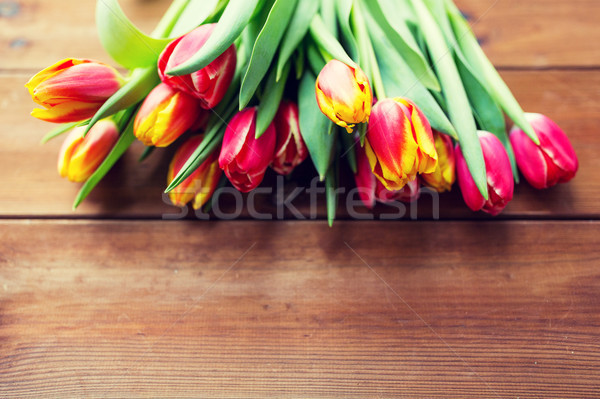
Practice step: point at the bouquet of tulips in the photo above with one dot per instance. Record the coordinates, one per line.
(398, 89)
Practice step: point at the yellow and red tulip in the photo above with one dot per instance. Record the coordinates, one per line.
(370, 188)
(200, 185)
(552, 161)
(244, 158)
(165, 115)
(499, 176)
(72, 90)
(344, 94)
(443, 177)
(290, 149)
(208, 84)
(399, 143)
(80, 156)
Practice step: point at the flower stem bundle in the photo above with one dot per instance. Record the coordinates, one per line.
(398, 90)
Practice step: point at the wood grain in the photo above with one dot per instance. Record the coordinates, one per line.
(532, 33)
(295, 309)
(32, 187)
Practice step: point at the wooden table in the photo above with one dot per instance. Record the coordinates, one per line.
(112, 301)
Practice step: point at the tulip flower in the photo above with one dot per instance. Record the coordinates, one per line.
(72, 90)
(399, 143)
(370, 188)
(344, 94)
(208, 84)
(165, 115)
(444, 175)
(552, 161)
(80, 156)
(499, 176)
(200, 185)
(290, 149)
(243, 157)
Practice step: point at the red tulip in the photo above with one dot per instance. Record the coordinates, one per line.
(499, 176)
(72, 90)
(165, 115)
(399, 143)
(290, 149)
(243, 157)
(344, 94)
(79, 156)
(409, 193)
(208, 84)
(200, 185)
(552, 161)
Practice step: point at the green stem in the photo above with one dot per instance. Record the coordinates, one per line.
(366, 52)
(168, 21)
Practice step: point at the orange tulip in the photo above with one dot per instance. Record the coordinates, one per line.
(80, 156)
(201, 184)
(344, 94)
(444, 175)
(165, 115)
(72, 90)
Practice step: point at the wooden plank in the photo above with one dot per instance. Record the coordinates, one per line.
(295, 309)
(31, 186)
(533, 33)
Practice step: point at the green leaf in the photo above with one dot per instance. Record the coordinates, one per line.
(315, 128)
(236, 16)
(328, 15)
(459, 108)
(125, 140)
(125, 43)
(299, 60)
(485, 109)
(298, 27)
(327, 41)
(348, 145)
(331, 194)
(194, 15)
(315, 59)
(482, 65)
(343, 9)
(269, 104)
(142, 81)
(390, 18)
(265, 46)
(399, 81)
(57, 131)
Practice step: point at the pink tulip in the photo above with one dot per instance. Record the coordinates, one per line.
(243, 158)
(208, 84)
(499, 176)
(290, 149)
(552, 161)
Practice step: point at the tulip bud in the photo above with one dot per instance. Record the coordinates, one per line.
(552, 161)
(444, 175)
(80, 156)
(399, 143)
(201, 184)
(243, 157)
(208, 84)
(499, 176)
(165, 115)
(290, 149)
(344, 94)
(72, 90)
